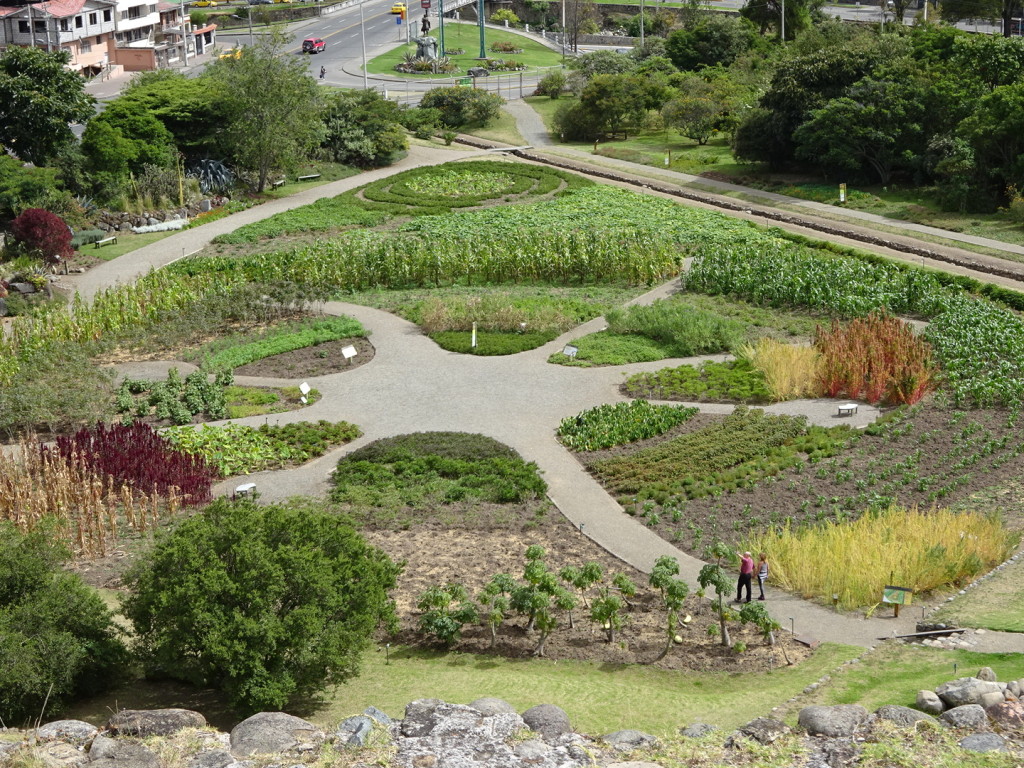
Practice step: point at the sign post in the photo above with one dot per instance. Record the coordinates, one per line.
(842, 193)
(897, 596)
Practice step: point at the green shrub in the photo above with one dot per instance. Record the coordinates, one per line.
(731, 381)
(57, 638)
(610, 425)
(551, 85)
(268, 604)
(463, 107)
(490, 343)
(430, 468)
(682, 330)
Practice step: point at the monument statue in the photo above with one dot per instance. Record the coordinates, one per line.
(426, 48)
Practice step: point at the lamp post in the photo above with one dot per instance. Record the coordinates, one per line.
(480, 19)
(641, 25)
(783, 22)
(248, 17)
(184, 34)
(440, 26)
(362, 42)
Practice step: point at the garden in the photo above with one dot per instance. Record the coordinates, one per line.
(488, 566)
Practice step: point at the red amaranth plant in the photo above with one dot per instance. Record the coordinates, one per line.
(43, 234)
(877, 358)
(135, 454)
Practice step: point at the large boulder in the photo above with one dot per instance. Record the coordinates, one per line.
(966, 690)
(273, 732)
(1008, 716)
(763, 730)
(53, 754)
(986, 674)
(547, 720)
(929, 701)
(905, 717)
(457, 735)
(697, 730)
(629, 739)
(378, 715)
(839, 720)
(153, 722)
(968, 716)
(106, 752)
(419, 717)
(984, 742)
(489, 705)
(354, 731)
(212, 758)
(75, 732)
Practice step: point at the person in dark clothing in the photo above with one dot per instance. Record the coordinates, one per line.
(323, 72)
(746, 572)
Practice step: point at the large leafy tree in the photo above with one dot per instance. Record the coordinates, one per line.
(190, 108)
(272, 109)
(57, 638)
(957, 10)
(712, 40)
(266, 603)
(363, 128)
(767, 14)
(39, 99)
(995, 132)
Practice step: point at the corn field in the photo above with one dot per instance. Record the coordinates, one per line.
(92, 510)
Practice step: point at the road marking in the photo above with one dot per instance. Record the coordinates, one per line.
(332, 34)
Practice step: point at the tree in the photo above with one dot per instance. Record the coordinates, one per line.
(697, 110)
(42, 235)
(615, 103)
(602, 63)
(267, 603)
(39, 99)
(539, 584)
(495, 598)
(673, 594)
(123, 140)
(363, 128)
(581, 579)
(767, 14)
(606, 610)
(994, 61)
(995, 133)
(57, 637)
(714, 575)
(272, 109)
(191, 108)
(712, 41)
(463, 107)
(957, 10)
(446, 610)
(757, 614)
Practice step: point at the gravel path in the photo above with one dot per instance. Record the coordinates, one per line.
(414, 385)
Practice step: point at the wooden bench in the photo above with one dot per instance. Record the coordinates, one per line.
(106, 241)
(847, 409)
(309, 177)
(278, 183)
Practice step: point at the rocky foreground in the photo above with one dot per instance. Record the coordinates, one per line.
(969, 715)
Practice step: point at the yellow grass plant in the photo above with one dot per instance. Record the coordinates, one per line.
(922, 550)
(790, 370)
(90, 509)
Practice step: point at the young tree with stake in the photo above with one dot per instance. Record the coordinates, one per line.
(673, 594)
(714, 575)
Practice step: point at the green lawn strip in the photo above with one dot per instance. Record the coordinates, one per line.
(598, 698)
(126, 242)
(467, 37)
(607, 348)
(243, 402)
(993, 604)
(234, 351)
(503, 130)
(328, 214)
(894, 673)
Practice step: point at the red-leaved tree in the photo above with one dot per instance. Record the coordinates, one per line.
(43, 234)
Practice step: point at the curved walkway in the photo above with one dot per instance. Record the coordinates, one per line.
(414, 385)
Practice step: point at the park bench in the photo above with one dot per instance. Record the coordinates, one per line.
(847, 409)
(106, 241)
(278, 183)
(309, 177)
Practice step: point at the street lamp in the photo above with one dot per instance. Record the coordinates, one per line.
(362, 42)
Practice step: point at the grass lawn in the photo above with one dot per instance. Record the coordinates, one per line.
(894, 673)
(126, 241)
(995, 604)
(503, 129)
(467, 37)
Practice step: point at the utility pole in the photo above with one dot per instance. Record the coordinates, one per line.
(362, 41)
(783, 21)
(440, 27)
(184, 35)
(480, 20)
(641, 25)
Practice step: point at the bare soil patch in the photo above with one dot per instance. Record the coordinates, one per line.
(318, 360)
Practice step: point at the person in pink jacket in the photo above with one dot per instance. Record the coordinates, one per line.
(746, 575)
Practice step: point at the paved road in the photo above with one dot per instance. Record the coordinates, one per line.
(413, 385)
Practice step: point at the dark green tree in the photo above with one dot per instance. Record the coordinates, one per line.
(445, 611)
(496, 601)
(267, 603)
(191, 108)
(673, 593)
(767, 14)
(1004, 10)
(995, 133)
(363, 128)
(994, 61)
(463, 107)
(581, 579)
(272, 109)
(39, 99)
(712, 41)
(128, 132)
(57, 637)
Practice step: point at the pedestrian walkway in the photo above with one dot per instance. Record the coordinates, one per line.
(413, 385)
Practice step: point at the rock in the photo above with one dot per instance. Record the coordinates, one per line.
(904, 717)
(966, 716)
(269, 732)
(991, 699)
(929, 701)
(697, 730)
(547, 720)
(457, 735)
(984, 742)
(378, 715)
(354, 731)
(153, 722)
(57, 754)
(763, 730)
(214, 758)
(152, 222)
(419, 717)
(1014, 688)
(1008, 715)
(629, 739)
(491, 706)
(533, 750)
(3, 307)
(23, 288)
(966, 690)
(205, 206)
(634, 764)
(839, 720)
(478, 72)
(72, 731)
(986, 674)
(106, 752)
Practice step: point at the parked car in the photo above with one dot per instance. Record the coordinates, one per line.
(204, 4)
(398, 8)
(313, 45)
(234, 53)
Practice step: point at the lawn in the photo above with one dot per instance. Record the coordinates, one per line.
(467, 37)
(126, 242)
(995, 604)
(598, 698)
(502, 130)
